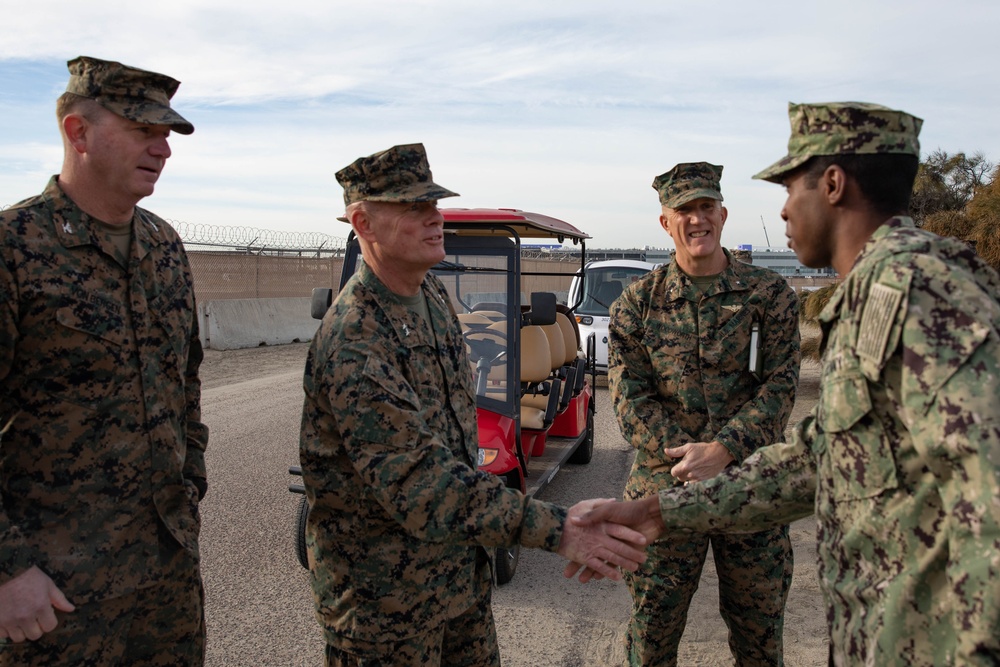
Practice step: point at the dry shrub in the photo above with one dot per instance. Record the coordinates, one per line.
(812, 303)
(987, 238)
(811, 306)
(950, 223)
(810, 334)
(981, 230)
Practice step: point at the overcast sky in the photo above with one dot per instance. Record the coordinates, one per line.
(568, 108)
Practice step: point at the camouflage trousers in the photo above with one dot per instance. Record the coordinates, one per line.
(755, 573)
(162, 625)
(470, 640)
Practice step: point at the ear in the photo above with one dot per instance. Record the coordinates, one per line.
(834, 184)
(362, 223)
(77, 131)
(725, 214)
(665, 224)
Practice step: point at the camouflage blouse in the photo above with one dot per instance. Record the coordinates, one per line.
(679, 365)
(900, 459)
(99, 358)
(388, 452)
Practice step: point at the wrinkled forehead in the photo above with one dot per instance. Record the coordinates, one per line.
(698, 202)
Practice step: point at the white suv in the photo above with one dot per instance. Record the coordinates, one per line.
(601, 284)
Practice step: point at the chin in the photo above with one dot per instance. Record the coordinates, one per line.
(143, 190)
(812, 261)
(705, 253)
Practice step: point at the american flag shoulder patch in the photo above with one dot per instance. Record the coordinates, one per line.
(877, 320)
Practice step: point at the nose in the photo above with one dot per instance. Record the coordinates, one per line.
(784, 213)
(160, 148)
(434, 216)
(698, 216)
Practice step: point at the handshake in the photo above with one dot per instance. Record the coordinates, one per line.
(602, 535)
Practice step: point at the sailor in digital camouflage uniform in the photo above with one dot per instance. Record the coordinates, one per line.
(103, 466)
(399, 514)
(681, 379)
(900, 459)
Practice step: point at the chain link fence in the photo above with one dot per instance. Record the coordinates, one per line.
(250, 263)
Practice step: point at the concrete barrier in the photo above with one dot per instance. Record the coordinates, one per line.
(231, 324)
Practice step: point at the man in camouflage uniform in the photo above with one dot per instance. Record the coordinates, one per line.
(102, 467)
(683, 346)
(399, 514)
(900, 459)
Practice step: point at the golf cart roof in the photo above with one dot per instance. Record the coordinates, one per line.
(492, 221)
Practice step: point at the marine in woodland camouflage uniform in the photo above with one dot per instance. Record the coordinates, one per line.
(679, 372)
(399, 513)
(103, 465)
(900, 459)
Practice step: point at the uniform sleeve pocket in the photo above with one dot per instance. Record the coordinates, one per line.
(845, 401)
(860, 463)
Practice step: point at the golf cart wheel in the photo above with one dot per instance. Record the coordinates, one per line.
(301, 552)
(505, 563)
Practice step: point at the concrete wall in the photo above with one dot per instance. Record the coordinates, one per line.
(240, 323)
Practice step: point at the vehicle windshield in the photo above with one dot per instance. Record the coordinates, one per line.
(479, 281)
(603, 285)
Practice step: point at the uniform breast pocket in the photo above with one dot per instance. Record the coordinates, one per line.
(382, 406)
(858, 462)
(728, 349)
(88, 324)
(385, 383)
(671, 357)
(84, 354)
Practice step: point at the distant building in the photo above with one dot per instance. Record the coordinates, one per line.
(658, 255)
(780, 260)
(785, 262)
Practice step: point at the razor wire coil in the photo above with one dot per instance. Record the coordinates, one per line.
(255, 239)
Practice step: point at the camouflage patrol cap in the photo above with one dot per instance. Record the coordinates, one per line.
(844, 128)
(399, 174)
(688, 181)
(135, 94)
